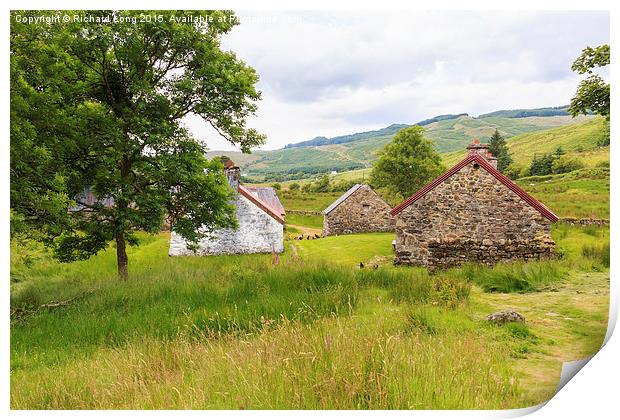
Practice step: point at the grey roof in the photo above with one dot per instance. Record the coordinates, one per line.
(268, 196)
(342, 198)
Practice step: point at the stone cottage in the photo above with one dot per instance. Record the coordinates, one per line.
(358, 210)
(260, 217)
(471, 213)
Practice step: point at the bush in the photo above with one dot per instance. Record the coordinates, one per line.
(276, 186)
(542, 164)
(450, 291)
(515, 171)
(294, 186)
(565, 164)
(603, 164)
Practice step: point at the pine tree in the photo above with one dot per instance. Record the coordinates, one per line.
(499, 149)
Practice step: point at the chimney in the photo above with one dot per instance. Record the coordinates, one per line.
(476, 148)
(232, 174)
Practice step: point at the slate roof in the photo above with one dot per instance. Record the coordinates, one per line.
(341, 199)
(269, 196)
(490, 169)
(254, 198)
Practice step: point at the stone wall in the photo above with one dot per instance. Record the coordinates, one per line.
(470, 217)
(258, 232)
(362, 211)
(573, 221)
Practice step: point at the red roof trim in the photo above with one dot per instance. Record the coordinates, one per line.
(261, 204)
(490, 169)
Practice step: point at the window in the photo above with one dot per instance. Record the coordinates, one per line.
(366, 208)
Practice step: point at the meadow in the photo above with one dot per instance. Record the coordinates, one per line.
(243, 332)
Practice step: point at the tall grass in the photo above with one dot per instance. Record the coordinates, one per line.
(514, 277)
(333, 364)
(599, 254)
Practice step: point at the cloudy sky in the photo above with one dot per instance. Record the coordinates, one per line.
(334, 73)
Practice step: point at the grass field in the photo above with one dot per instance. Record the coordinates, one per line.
(582, 194)
(239, 332)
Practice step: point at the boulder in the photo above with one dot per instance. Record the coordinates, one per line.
(503, 317)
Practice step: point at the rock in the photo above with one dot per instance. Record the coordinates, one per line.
(503, 317)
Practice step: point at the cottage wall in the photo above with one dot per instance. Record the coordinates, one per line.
(258, 232)
(472, 217)
(362, 211)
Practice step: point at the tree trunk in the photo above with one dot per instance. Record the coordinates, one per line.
(121, 256)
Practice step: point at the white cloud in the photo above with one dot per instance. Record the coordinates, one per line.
(336, 73)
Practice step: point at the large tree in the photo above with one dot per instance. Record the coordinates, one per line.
(593, 92)
(407, 163)
(499, 149)
(97, 103)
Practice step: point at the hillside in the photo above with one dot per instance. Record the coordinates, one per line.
(576, 139)
(358, 151)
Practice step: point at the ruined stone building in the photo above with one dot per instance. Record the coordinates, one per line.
(358, 210)
(471, 213)
(260, 217)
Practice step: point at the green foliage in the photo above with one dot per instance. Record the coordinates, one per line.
(499, 149)
(407, 163)
(565, 164)
(276, 186)
(294, 186)
(515, 171)
(99, 107)
(593, 92)
(542, 164)
(515, 277)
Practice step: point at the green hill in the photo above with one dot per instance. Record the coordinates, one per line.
(576, 139)
(357, 151)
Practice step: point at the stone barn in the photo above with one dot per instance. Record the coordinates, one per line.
(358, 210)
(260, 216)
(471, 213)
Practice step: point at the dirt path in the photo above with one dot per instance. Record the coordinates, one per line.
(305, 230)
(569, 323)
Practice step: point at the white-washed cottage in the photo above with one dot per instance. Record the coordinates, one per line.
(260, 217)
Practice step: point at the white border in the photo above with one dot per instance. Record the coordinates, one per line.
(593, 392)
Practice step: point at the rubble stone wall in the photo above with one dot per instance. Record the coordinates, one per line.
(470, 217)
(363, 211)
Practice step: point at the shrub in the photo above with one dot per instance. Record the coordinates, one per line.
(565, 164)
(276, 186)
(603, 164)
(294, 186)
(450, 291)
(515, 171)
